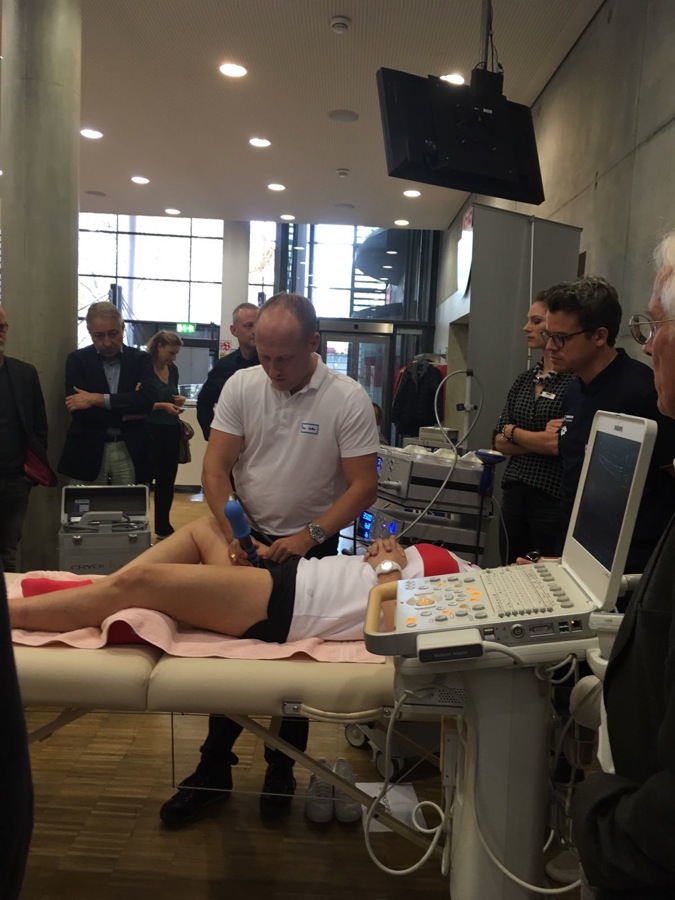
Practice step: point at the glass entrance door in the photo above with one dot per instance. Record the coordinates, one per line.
(365, 358)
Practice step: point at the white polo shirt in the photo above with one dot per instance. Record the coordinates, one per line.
(331, 594)
(289, 470)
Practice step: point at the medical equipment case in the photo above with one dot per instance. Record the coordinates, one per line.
(103, 527)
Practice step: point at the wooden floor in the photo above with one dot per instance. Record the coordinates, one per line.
(99, 784)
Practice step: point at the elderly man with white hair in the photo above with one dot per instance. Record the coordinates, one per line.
(625, 820)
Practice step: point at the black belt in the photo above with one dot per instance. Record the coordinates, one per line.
(113, 438)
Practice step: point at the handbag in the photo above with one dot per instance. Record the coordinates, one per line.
(38, 471)
(187, 432)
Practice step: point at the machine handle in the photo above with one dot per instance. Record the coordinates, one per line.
(379, 642)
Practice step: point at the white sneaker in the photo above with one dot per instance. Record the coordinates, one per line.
(347, 810)
(319, 798)
(564, 868)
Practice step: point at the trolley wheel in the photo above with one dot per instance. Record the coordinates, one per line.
(355, 736)
(395, 766)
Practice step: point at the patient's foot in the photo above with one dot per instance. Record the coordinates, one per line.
(196, 795)
(277, 791)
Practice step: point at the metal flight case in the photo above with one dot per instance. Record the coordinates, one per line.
(103, 527)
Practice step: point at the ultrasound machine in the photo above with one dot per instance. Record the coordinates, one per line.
(482, 647)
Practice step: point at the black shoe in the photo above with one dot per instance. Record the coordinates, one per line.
(277, 791)
(195, 795)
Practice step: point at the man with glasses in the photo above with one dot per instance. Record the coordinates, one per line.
(109, 391)
(624, 819)
(23, 426)
(582, 325)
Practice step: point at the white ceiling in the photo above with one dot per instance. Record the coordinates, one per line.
(150, 83)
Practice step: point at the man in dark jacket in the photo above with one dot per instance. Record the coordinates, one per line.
(243, 328)
(109, 391)
(624, 820)
(23, 426)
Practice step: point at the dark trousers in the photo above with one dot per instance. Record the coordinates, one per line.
(223, 732)
(532, 521)
(164, 454)
(14, 493)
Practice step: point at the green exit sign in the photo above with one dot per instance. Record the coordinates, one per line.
(186, 328)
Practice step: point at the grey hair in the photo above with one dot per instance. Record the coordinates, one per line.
(235, 311)
(664, 257)
(104, 309)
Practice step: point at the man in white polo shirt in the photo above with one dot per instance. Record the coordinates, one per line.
(301, 442)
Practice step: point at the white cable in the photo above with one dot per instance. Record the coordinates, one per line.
(322, 715)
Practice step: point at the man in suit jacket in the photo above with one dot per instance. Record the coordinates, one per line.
(23, 426)
(109, 391)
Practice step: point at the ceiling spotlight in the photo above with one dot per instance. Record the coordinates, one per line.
(387, 267)
(287, 217)
(260, 142)
(232, 70)
(276, 187)
(392, 252)
(91, 133)
(401, 222)
(342, 173)
(412, 194)
(172, 212)
(455, 78)
(0, 171)
(140, 179)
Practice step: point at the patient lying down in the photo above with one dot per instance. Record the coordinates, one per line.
(324, 598)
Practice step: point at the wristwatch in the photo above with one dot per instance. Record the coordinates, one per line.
(316, 533)
(387, 566)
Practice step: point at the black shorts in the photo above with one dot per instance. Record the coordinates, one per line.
(274, 629)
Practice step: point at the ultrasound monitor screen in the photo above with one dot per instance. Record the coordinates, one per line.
(605, 496)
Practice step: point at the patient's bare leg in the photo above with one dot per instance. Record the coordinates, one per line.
(226, 599)
(199, 541)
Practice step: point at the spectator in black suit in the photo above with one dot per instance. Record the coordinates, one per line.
(243, 328)
(109, 391)
(23, 426)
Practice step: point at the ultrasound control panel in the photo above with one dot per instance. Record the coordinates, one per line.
(512, 606)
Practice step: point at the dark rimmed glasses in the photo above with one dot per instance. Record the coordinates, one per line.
(560, 338)
(643, 329)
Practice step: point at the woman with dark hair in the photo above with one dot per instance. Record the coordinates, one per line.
(164, 426)
(527, 432)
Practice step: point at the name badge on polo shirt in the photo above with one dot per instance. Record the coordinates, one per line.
(548, 395)
(309, 428)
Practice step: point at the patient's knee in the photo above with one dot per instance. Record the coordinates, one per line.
(134, 580)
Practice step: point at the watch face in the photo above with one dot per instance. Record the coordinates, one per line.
(386, 566)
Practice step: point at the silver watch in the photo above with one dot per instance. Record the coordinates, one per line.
(387, 566)
(316, 533)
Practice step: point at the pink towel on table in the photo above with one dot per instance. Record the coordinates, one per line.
(180, 640)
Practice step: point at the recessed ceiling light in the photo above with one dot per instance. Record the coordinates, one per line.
(401, 222)
(412, 194)
(172, 212)
(140, 179)
(232, 70)
(277, 187)
(91, 133)
(287, 217)
(454, 78)
(387, 267)
(96, 193)
(392, 252)
(260, 142)
(0, 171)
(344, 206)
(298, 248)
(343, 115)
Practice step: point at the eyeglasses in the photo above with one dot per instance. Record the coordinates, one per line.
(4, 326)
(644, 329)
(559, 338)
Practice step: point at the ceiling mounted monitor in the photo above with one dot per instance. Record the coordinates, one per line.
(468, 137)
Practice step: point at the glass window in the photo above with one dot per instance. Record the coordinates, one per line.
(207, 260)
(98, 221)
(331, 302)
(98, 253)
(207, 228)
(254, 290)
(92, 289)
(334, 234)
(205, 302)
(261, 254)
(153, 301)
(150, 256)
(155, 224)
(333, 265)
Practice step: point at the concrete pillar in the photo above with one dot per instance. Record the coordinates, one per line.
(236, 245)
(39, 153)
